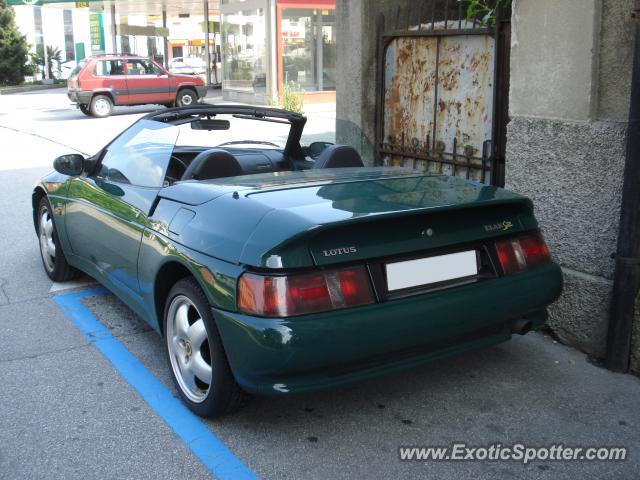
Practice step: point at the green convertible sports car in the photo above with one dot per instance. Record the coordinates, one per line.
(273, 268)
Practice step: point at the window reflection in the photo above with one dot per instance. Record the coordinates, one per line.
(245, 53)
(140, 156)
(308, 38)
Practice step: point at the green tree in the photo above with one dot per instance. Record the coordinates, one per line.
(13, 48)
(485, 9)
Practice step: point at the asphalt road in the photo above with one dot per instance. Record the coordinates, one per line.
(67, 412)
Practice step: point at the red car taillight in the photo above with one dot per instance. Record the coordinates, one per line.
(286, 296)
(518, 253)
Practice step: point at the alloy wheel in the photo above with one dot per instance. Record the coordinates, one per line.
(189, 350)
(47, 244)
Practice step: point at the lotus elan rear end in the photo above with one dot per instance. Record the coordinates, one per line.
(352, 275)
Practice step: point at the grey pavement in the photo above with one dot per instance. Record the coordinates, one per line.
(65, 412)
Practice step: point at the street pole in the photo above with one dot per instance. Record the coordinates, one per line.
(206, 41)
(164, 38)
(626, 280)
(46, 59)
(114, 30)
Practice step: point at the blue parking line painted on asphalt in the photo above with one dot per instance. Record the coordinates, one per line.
(215, 456)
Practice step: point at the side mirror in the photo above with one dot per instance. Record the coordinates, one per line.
(71, 164)
(316, 148)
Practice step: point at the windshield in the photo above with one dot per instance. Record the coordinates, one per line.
(140, 155)
(241, 133)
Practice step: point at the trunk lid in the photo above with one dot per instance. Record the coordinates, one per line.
(352, 215)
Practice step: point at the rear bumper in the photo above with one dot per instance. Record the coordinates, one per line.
(80, 97)
(274, 356)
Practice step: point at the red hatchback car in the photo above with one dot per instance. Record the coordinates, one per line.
(100, 82)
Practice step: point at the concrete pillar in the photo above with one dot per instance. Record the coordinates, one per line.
(354, 114)
(114, 30)
(206, 41)
(356, 83)
(165, 42)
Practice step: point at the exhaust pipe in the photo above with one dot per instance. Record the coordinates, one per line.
(522, 326)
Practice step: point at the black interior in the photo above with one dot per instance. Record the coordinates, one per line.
(212, 163)
(202, 163)
(232, 159)
(338, 156)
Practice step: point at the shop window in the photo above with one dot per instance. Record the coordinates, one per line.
(244, 50)
(105, 68)
(308, 44)
(69, 46)
(126, 44)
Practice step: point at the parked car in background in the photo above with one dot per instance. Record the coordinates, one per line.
(100, 82)
(188, 65)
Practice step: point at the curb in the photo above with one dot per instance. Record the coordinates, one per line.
(28, 88)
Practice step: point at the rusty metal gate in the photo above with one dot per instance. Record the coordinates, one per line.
(442, 91)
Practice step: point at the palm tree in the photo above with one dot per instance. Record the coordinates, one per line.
(53, 54)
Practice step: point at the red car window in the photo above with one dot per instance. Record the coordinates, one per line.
(105, 68)
(142, 67)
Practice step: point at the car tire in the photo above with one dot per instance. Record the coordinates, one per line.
(53, 260)
(101, 106)
(85, 109)
(186, 97)
(195, 354)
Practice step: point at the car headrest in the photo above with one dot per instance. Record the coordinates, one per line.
(338, 156)
(212, 163)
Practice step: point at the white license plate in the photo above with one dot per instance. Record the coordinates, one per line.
(424, 271)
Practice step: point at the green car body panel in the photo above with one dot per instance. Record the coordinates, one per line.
(285, 222)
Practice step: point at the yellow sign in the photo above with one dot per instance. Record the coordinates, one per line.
(82, 4)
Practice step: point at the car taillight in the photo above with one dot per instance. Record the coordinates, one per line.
(518, 253)
(286, 296)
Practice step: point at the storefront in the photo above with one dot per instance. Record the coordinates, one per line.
(155, 29)
(270, 45)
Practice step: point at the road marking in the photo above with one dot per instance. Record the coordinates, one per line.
(208, 448)
(33, 134)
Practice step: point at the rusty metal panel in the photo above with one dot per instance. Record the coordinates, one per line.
(409, 94)
(437, 103)
(465, 98)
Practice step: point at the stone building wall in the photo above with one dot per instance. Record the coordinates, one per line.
(568, 106)
(566, 143)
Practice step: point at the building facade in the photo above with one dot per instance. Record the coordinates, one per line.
(257, 49)
(272, 45)
(163, 32)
